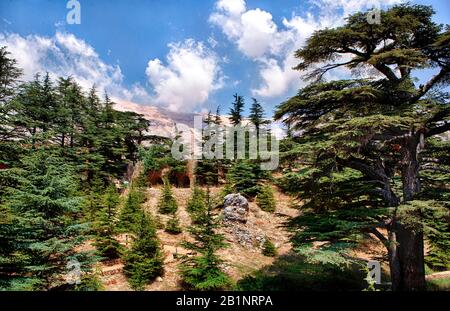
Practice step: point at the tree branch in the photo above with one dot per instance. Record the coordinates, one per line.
(433, 81)
(387, 72)
(438, 130)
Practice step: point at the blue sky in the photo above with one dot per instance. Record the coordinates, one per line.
(185, 55)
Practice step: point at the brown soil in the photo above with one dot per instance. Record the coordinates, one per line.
(240, 259)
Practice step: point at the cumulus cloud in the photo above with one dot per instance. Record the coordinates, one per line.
(187, 78)
(272, 47)
(66, 55)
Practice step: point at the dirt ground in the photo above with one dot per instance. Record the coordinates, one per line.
(241, 258)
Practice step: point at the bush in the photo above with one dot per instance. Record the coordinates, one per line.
(144, 261)
(167, 203)
(197, 201)
(295, 272)
(269, 248)
(265, 199)
(173, 225)
(201, 269)
(104, 228)
(90, 282)
(131, 210)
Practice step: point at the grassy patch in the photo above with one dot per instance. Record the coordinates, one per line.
(291, 272)
(439, 284)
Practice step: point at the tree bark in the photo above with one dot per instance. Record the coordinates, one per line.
(406, 251)
(410, 259)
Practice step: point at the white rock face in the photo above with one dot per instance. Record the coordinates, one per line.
(235, 208)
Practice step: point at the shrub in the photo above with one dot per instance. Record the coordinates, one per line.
(167, 203)
(202, 271)
(173, 225)
(269, 248)
(295, 272)
(144, 261)
(104, 228)
(265, 199)
(131, 210)
(197, 201)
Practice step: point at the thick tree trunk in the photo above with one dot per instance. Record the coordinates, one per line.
(411, 259)
(406, 249)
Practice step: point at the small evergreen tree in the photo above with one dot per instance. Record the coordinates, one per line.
(236, 109)
(173, 225)
(167, 203)
(265, 199)
(144, 261)
(257, 115)
(93, 200)
(269, 248)
(131, 210)
(245, 176)
(107, 246)
(41, 232)
(201, 269)
(196, 202)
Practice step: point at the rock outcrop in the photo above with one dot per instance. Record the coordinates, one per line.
(235, 208)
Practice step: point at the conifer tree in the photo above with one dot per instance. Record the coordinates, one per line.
(173, 225)
(201, 270)
(105, 227)
(167, 203)
(131, 210)
(265, 198)
(144, 261)
(40, 236)
(269, 248)
(245, 176)
(9, 75)
(236, 110)
(359, 135)
(196, 203)
(93, 199)
(257, 115)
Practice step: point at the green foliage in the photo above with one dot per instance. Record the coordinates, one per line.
(41, 234)
(294, 272)
(167, 203)
(245, 177)
(144, 261)
(93, 199)
(201, 269)
(257, 115)
(229, 187)
(269, 248)
(236, 109)
(158, 157)
(265, 199)
(196, 204)
(105, 226)
(173, 225)
(439, 284)
(131, 209)
(356, 159)
(436, 198)
(89, 282)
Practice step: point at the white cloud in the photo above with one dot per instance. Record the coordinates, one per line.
(272, 47)
(257, 33)
(190, 75)
(66, 55)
